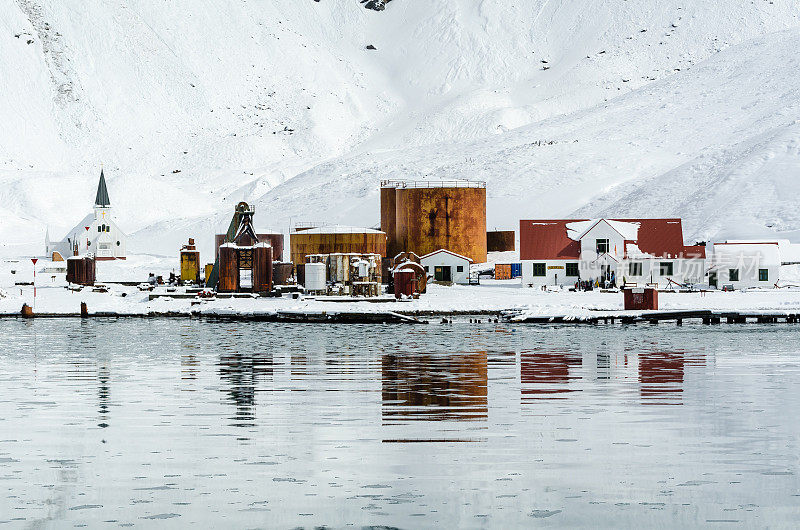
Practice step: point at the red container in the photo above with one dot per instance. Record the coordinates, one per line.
(404, 284)
(640, 299)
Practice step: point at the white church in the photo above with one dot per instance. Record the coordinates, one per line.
(96, 234)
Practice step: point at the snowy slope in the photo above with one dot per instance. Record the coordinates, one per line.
(651, 108)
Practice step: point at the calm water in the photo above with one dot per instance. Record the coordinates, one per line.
(174, 422)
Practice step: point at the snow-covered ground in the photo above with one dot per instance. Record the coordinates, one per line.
(492, 295)
(597, 107)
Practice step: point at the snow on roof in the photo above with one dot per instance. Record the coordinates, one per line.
(627, 229)
(339, 229)
(447, 251)
(549, 240)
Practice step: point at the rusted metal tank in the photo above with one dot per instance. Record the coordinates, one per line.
(81, 270)
(389, 216)
(434, 215)
(282, 272)
(336, 239)
(228, 269)
(404, 283)
(262, 268)
(274, 239)
(500, 241)
(190, 263)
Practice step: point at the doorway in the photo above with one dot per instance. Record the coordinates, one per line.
(712, 279)
(442, 274)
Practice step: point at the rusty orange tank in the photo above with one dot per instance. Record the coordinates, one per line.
(336, 239)
(433, 215)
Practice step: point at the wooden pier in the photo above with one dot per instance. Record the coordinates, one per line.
(707, 317)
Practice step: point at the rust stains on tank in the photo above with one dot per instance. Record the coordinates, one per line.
(429, 218)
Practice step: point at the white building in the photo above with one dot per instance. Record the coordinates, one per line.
(445, 266)
(97, 233)
(739, 264)
(603, 251)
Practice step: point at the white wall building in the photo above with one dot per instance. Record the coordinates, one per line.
(445, 266)
(740, 264)
(635, 251)
(97, 233)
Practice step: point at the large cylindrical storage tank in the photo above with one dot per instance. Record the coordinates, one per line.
(262, 268)
(448, 215)
(388, 216)
(336, 239)
(190, 265)
(315, 277)
(228, 269)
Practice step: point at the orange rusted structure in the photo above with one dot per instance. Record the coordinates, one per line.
(388, 219)
(256, 260)
(500, 240)
(335, 239)
(433, 215)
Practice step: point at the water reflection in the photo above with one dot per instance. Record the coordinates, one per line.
(661, 376)
(546, 374)
(427, 387)
(242, 373)
(103, 394)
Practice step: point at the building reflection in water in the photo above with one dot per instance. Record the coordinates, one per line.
(661, 376)
(428, 387)
(546, 374)
(242, 372)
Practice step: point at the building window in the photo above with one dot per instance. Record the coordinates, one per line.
(459, 268)
(733, 275)
(635, 268)
(539, 269)
(427, 268)
(763, 275)
(572, 269)
(602, 246)
(99, 228)
(665, 268)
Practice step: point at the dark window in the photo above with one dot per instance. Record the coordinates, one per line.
(733, 275)
(602, 246)
(539, 269)
(99, 228)
(763, 275)
(635, 269)
(427, 269)
(460, 268)
(572, 269)
(666, 268)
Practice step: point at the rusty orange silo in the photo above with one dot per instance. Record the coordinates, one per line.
(433, 215)
(335, 239)
(389, 216)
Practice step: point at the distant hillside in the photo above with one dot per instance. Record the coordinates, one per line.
(602, 107)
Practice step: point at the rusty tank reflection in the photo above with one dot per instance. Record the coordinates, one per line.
(546, 374)
(242, 373)
(422, 387)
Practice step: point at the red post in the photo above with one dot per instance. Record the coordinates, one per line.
(34, 260)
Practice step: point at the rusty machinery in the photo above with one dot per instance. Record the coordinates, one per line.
(242, 267)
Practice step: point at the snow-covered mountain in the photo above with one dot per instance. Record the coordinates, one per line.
(583, 106)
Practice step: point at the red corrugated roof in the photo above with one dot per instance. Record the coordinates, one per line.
(547, 239)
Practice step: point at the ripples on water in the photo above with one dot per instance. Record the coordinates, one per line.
(128, 422)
